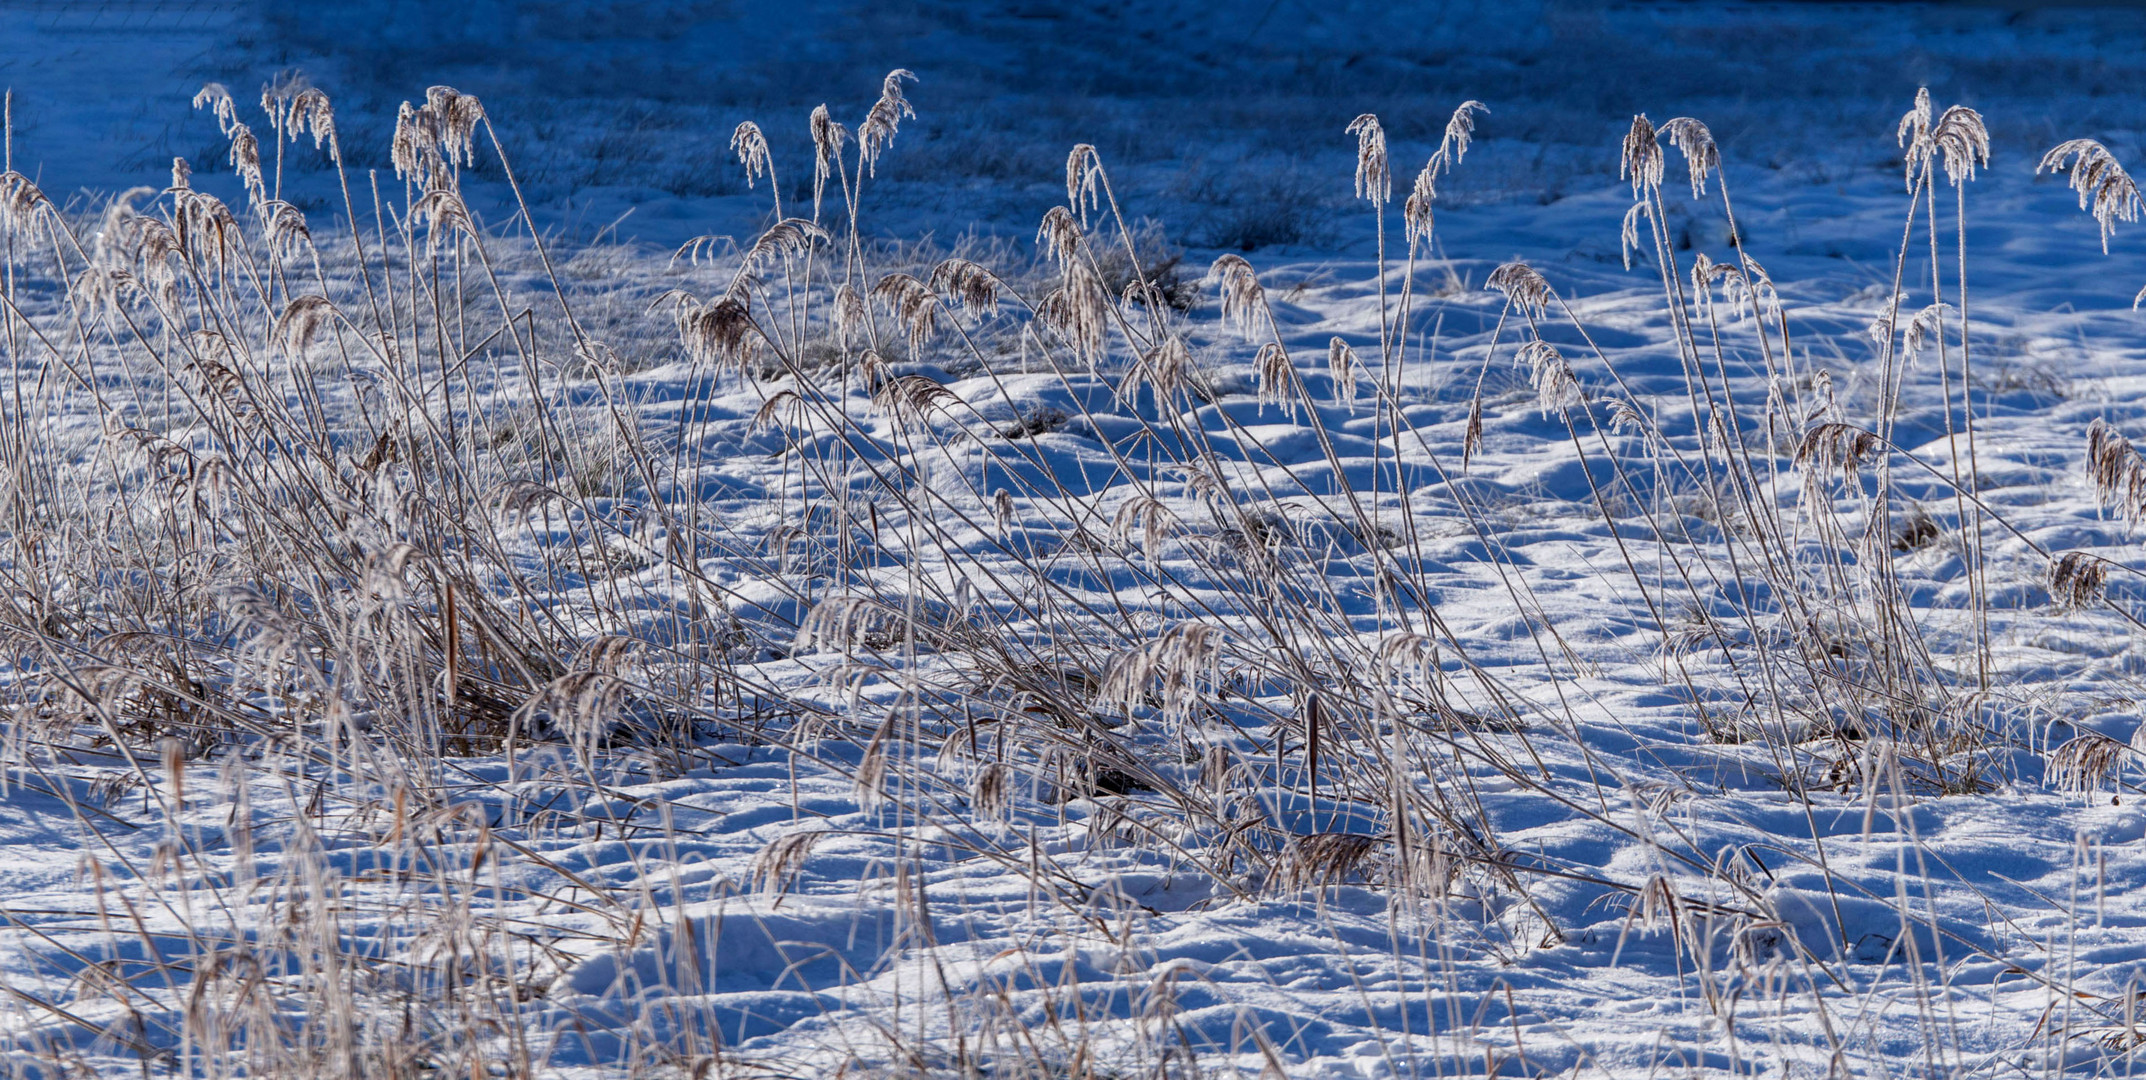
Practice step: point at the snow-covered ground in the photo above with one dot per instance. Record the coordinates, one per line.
(1675, 872)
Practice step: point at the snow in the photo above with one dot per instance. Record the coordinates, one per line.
(1960, 935)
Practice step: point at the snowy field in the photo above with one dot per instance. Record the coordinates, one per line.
(557, 583)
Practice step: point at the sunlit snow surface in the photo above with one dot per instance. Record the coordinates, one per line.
(2040, 898)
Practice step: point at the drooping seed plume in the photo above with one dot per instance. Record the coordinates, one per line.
(913, 305)
(1166, 369)
(1242, 296)
(1962, 141)
(1524, 288)
(2076, 580)
(885, 118)
(1696, 143)
(967, 284)
(1642, 161)
(2105, 190)
(1078, 310)
(1084, 176)
(1556, 387)
(750, 145)
(1374, 173)
(1913, 135)
(1343, 367)
(1275, 377)
(2086, 762)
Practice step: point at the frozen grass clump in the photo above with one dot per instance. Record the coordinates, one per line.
(462, 652)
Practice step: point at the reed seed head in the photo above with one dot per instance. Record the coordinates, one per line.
(1525, 289)
(1079, 311)
(1182, 665)
(1167, 369)
(1696, 143)
(750, 145)
(1344, 368)
(302, 322)
(2086, 762)
(1629, 239)
(2076, 580)
(1322, 859)
(885, 118)
(1084, 179)
(721, 332)
(217, 99)
(457, 115)
(1963, 141)
(2117, 470)
(1557, 388)
(1642, 161)
(310, 110)
(22, 205)
(851, 317)
(1059, 235)
(1275, 375)
(913, 305)
(967, 284)
(1836, 446)
(1242, 296)
(1374, 173)
(1147, 515)
(828, 139)
(246, 161)
(776, 867)
(1460, 131)
(910, 400)
(2105, 189)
